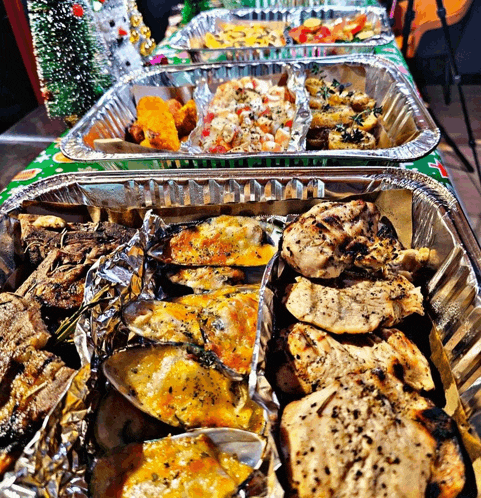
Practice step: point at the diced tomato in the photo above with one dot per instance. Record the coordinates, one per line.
(295, 33)
(360, 23)
(288, 123)
(303, 38)
(218, 149)
(242, 109)
(265, 112)
(205, 132)
(210, 116)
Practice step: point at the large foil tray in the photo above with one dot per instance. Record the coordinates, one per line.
(405, 118)
(191, 37)
(453, 293)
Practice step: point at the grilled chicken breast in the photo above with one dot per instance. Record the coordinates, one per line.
(31, 380)
(228, 320)
(207, 278)
(315, 358)
(333, 236)
(360, 307)
(220, 241)
(365, 435)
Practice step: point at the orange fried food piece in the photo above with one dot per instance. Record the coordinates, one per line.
(158, 123)
(186, 118)
(174, 106)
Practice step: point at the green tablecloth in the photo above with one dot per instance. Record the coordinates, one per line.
(51, 161)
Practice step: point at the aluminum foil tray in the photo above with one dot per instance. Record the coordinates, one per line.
(406, 120)
(453, 292)
(191, 37)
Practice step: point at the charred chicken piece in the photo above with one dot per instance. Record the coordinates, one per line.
(316, 358)
(41, 234)
(365, 435)
(31, 380)
(334, 236)
(360, 307)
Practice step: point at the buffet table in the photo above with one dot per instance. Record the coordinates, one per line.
(51, 161)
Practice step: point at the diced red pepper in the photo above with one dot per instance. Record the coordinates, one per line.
(242, 109)
(218, 149)
(205, 132)
(265, 112)
(288, 123)
(210, 116)
(360, 23)
(294, 33)
(303, 38)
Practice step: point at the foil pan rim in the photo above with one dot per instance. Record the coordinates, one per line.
(73, 146)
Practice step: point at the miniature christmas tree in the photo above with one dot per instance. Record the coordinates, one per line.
(192, 8)
(71, 59)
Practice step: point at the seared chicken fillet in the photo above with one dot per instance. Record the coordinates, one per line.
(334, 236)
(365, 435)
(316, 358)
(360, 307)
(225, 240)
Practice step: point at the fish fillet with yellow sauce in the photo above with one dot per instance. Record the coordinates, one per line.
(172, 385)
(228, 321)
(184, 467)
(224, 240)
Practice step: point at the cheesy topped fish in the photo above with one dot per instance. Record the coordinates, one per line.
(228, 321)
(172, 385)
(184, 467)
(224, 240)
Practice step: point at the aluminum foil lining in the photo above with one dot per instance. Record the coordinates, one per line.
(438, 222)
(192, 36)
(406, 121)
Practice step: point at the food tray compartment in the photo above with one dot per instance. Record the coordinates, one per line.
(406, 119)
(192, 36)
(453, 292)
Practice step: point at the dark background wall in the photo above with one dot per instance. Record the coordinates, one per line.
(16, 95)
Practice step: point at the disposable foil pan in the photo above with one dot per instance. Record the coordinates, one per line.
(408, 124)
(453, 293)
(191, 37)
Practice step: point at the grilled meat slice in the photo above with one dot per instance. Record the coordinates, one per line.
(41, 234)
(366, 436)
(58, 282)
(316, 358)
(21, 326)
(224, 240)
(207, 278)
(333, 236)
(360, 307)
(228, 319)
(31, 380)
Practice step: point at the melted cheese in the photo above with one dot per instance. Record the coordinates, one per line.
(225, 240)
(164, 321)
(171, 385)
(170, 468)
